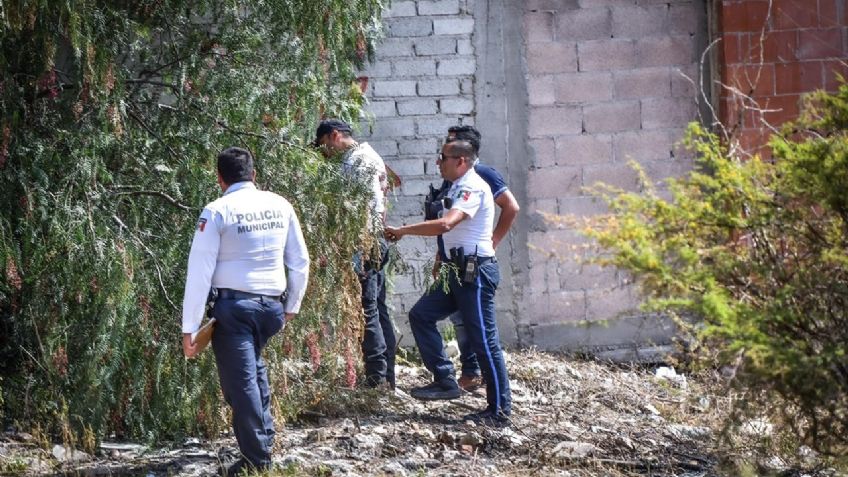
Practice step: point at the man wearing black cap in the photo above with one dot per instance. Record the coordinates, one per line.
(362, 162)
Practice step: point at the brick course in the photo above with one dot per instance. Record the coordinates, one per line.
(583, 87)
(417, 107)
(583, 149)
(640, 21)
(552, 57)
(435, 45)
(545, 121)
(390, 88)
(643, 83)
(606, 55)
(406, 27)
(540, 89)
(667, 112)
(441, 87)
(794, 47)
(439, 7)
(454, 26)
(611, 117)
(401, 9)
(588, 24)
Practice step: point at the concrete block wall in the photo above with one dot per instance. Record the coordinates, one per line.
(771, 54)
(608, 82)
(421, 83)
(565, 93)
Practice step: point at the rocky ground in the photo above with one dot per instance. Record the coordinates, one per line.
(571, 418)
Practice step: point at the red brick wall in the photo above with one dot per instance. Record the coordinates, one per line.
(772, 52)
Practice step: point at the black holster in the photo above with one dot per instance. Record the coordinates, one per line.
(466, 264)
(210, 301)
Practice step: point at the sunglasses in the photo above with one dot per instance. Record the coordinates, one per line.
(443, 157)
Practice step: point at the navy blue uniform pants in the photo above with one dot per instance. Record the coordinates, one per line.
(378, 340)
(467, 357)
(476, 303)
(242, 330)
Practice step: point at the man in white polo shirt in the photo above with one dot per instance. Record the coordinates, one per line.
(466, 227)
(470, 376)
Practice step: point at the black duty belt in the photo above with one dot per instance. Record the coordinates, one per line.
(228, 294)
(482, 260)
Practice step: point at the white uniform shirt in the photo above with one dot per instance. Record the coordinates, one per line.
(363, 162)
(473, 196)
(247, 240)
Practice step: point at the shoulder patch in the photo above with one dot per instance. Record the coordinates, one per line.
(464, 194)
(201, 224)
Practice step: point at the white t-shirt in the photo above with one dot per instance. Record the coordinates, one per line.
(473, 196)
(363, 162)
(247, 240)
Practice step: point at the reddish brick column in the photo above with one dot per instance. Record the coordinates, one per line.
(771, 53)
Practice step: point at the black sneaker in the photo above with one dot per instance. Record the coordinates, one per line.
(489, 418)
(437, 390)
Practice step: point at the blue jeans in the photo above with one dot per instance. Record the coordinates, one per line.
(476, 304)
(467, 358)
(242, 330)
(378, 340)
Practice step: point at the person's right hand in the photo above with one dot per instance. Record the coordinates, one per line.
(392, 234)
(189, 348)
(436, 267)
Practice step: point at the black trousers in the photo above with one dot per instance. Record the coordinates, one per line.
(379, 342)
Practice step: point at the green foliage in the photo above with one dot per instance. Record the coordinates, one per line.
(759, 252)
(111, 115)
(13, 466)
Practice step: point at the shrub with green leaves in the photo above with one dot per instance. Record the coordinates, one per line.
(758, 252)
(111, 116)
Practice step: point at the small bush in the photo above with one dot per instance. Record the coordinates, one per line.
(759, 252)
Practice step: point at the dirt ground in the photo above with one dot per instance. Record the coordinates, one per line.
(571, 418)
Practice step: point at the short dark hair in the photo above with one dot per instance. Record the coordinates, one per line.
(235, 165)
(461, 147)
(329, 125)
(467, 133)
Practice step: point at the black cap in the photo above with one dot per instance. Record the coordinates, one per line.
(329, 125)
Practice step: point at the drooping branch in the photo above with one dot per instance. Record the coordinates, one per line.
(142, 81)
(150, 131)
(156, 193)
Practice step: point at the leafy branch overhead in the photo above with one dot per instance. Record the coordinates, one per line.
(111, 116)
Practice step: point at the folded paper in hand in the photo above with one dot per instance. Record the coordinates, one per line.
(203, 336)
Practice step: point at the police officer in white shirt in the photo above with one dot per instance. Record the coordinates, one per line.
(466, 227)
(470, 376)
(249, 247)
